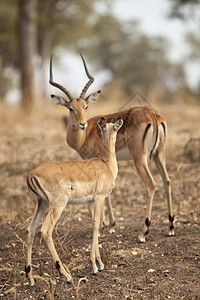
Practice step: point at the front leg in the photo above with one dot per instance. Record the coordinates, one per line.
(95, 254)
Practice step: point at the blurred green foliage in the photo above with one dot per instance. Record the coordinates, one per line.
(120, 47)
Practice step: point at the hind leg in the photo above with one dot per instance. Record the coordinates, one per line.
(145, 174)
(41, 208)
(111, 225)
(159, 159)
(46, 231)
(110, 215)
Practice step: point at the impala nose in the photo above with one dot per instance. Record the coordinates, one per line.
(83, 126)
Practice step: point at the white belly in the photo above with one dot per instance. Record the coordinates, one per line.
(80, 200)
(124, 154)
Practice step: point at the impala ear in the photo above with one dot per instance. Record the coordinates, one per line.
(60, 100)
(102, 125)
(118, 124)
(92, 97)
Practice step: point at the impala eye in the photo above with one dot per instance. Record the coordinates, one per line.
(86, 107)
(71, 109)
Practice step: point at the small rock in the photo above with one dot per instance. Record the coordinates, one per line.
(151, 270)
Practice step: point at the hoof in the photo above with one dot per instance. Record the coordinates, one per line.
(31, 282)
(95, 273)
(69, 281)
(140, 239)
(111, 230)
(101, 268)
(171, 233)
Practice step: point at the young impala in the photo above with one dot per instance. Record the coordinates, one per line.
(142, 137)
(54, 184)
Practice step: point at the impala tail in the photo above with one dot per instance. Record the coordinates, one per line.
(160, 132)
(34, 187)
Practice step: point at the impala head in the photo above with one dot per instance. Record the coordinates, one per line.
(107, 129)
(76, 106)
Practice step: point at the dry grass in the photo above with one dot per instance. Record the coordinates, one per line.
(28, 140)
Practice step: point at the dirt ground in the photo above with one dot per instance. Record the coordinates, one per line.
(161, 268)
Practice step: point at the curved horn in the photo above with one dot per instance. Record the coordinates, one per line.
(56, 84)
(82, 95)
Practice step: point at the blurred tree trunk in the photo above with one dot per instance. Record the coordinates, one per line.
(44, 53)
(27, 49)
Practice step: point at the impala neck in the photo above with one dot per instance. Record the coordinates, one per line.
(75, 136)
(111, 155)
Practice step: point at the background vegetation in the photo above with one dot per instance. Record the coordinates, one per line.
(30, 30)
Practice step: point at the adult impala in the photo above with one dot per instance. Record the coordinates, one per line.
(54, 184)
(142, 137)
